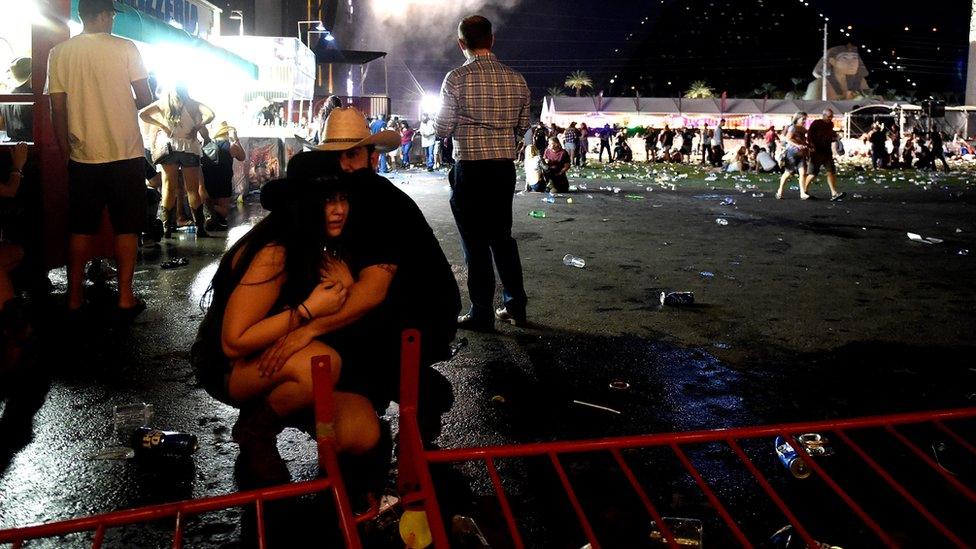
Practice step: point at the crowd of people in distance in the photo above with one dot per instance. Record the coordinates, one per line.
(802, 148)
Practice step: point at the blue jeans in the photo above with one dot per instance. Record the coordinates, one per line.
(384, 168)
(430, 156)
(481, 200)
(405, 150)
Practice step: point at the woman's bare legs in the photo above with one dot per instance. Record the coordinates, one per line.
(289, 390)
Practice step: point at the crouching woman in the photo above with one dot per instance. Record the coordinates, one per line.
(276, 278)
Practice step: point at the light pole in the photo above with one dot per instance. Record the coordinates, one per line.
(239, 16)
(826, 67)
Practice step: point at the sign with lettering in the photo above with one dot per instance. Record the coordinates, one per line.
(194, 16)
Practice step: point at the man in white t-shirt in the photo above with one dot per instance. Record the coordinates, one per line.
(97, 83)
(428, 139)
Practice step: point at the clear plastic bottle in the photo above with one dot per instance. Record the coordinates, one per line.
(571, 260)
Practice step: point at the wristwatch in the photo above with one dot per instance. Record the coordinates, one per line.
(17, 171)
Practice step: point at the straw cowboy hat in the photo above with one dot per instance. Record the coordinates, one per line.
(346, 129)
(20, 71)
(223, 130)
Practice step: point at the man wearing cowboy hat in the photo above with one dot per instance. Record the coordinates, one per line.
(402, 278)
(19, 119)
(218, 176)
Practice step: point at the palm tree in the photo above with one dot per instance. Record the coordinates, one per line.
(797, 82)
(699, 90)
(579, 80)
(555, 91)
(766, 89)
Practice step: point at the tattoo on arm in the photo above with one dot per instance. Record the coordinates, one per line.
(388, 268)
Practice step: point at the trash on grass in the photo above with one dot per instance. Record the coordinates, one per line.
(596, 406)
(619, 385)
(677, 299)
(538, 214)
(722, 221)
(706, 274)
(924, 240)
(571, 260)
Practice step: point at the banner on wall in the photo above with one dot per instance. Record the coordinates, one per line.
(266, 160)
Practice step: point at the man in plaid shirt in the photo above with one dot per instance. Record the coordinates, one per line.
(485, 105)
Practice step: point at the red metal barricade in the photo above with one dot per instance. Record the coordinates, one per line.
(418, 494)
(180, 511)
(418, 490)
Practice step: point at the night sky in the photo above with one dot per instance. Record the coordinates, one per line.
(658, 47)
(734, 46)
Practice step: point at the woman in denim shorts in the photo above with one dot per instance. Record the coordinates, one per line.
(794, 161)
(182, 119)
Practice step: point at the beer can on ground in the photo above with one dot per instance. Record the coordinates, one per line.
(676, 299)
(788, 457)
(150, 442)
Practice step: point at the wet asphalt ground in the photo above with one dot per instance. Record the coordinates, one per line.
(804, 311)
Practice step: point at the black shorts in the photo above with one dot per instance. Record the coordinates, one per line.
(821, 160)
(119, 186)
(218, 187)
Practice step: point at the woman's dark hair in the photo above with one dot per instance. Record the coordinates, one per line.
(299, 227)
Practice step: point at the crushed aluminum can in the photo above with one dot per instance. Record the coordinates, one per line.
(677, 299)
(789, 458)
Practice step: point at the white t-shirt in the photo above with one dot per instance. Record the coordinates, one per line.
(766, 161)
(96, 72)
(428, 133)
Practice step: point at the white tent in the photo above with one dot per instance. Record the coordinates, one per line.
(631, 112)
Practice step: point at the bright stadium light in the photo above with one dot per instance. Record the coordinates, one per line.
(430, 104)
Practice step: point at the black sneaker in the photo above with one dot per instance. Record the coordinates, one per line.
(838, 196)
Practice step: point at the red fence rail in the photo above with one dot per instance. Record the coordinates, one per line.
(418, 493)
(415, 464)
(179, 511)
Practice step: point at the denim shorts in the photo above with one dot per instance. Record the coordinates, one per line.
(793, 160)
(180, 158)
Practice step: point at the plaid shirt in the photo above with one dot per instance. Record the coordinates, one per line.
(484, 105)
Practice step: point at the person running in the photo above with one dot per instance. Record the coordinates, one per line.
(485, 104)
(182, 119)
(797, 151)
(821, 137)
